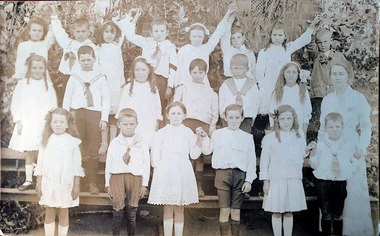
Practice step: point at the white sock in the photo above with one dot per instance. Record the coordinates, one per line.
(168, 227)
(178, 229)
(288, 226)
(277, 226)
(29, 173)
(50, 229)
(62, 230)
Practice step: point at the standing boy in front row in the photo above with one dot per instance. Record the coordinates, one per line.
(87, 97)
(334, 163)
(127, 170)
(234, 159)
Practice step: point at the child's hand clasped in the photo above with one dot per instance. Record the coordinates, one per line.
(311, 148)
(200, 131)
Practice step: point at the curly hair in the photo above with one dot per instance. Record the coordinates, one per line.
(281, 82)
(114, 29)
(277, 26)
(276, 127)
(150, 75)
(70, 118)
(38, 21)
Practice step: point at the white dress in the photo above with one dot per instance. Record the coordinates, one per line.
(58, 164)
(146, 104)
(281, 164)
(355, 110)
(173, 179)
(30, 104)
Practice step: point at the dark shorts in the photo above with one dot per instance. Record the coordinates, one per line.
(331, 196)
(125, 188)
(229, 183)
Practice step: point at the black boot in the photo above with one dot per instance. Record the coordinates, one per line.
(116, 222)
(235, 226)
(131, 220)
(223, 226)
(326, 227)
(338, 227)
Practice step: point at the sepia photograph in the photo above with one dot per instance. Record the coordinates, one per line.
(189, 117)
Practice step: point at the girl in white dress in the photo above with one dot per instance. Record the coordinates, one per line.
(174, 184)
(32, 99)
(58, 184)
(281, 169)
(290, 91)
(111, 64)
(141, 95)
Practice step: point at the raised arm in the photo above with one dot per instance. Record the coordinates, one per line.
(305, 38)
(60, 34)
(131, 34)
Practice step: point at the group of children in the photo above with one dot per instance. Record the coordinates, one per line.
(160, 133)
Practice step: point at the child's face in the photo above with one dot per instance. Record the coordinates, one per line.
(109, 34)
(197, 75)
(127, 125)
(334, 129)
(141, 72)
(324, 43)
(239, 71)
(86, 61)
(81, 33)
(291, 75)
(159, 32)
(278, 37)
(59, 124)
(339, 77)
(237, 40)
(196, 37)
(37, 70)
(176, 116)
(286, 121)
(36, 32)
(234, 119)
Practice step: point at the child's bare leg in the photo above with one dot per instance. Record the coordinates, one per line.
(104, 142)
(224, 216)
(30, 158)
(168, 220)
(235, 221)
(113, 132)
(63, 224)
(199, 165)
(277, 224)
(179, 220)
(49, 226)
(288, 224)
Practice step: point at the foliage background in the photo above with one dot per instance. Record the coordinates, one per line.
(353, 22)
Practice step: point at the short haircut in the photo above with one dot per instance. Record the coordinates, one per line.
(201, 64)
(176, 104)
(86, 50)
(81, 22)
(333, 116)
(239, 59)
(159, 21)
(39, 21)
(127, 112)
(234, 107)
(322, 32)
(237, 29)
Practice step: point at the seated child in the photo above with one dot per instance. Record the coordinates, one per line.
(127, 170)
(334, 163)
(235, 162)
(87, 97)
(240, 90)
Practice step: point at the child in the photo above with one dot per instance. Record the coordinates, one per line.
(80, 30)
(39, 43)
(32, 99)
(281, 169)
(58, 184)
(111, 64)
(87, 96)
(127, 170)
(240, 90)
(141, 95)
(197, 48)
(320, 84)
(160, 53)
(202, 108)
(235, 163)
(334, 164)
(232, 43)
(174, 184)
(290, 91)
